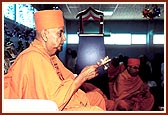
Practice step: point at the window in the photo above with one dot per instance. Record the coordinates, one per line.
(118, 39)
(24, 14)
(138, 38)
(21, 13)
(108, 40)
(9, 11)
(158, 39)
(72, 39)
(125, 39)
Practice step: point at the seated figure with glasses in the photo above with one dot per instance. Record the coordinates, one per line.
(131, 93)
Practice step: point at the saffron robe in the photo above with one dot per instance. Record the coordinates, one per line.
(33, 76)
(93, 90)
(132, 94)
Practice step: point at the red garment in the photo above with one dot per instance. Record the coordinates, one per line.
(132, 93)
(36, 75)
(113, 73)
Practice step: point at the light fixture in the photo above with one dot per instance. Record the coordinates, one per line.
(108, 13)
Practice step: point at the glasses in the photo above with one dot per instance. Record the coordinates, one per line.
(134, 67)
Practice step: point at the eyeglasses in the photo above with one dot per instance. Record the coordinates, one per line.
(134, 67)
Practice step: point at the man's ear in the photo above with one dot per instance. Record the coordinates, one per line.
(44, 35)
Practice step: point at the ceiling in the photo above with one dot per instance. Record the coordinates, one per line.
(130, 11)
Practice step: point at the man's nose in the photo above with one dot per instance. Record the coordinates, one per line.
(63, 37)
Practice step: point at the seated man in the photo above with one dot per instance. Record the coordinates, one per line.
(131, 93)
(38, 73)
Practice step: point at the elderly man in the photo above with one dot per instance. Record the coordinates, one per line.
(131, 93)
(37, 73)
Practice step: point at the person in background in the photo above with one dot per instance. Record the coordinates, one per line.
(71, 65)
(114, 69)
(157, 90)
(131, 93)
(37, 72)
(156, 68)
(67, 56)
(145, 69)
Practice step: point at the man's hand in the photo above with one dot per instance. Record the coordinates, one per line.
(89, 72)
